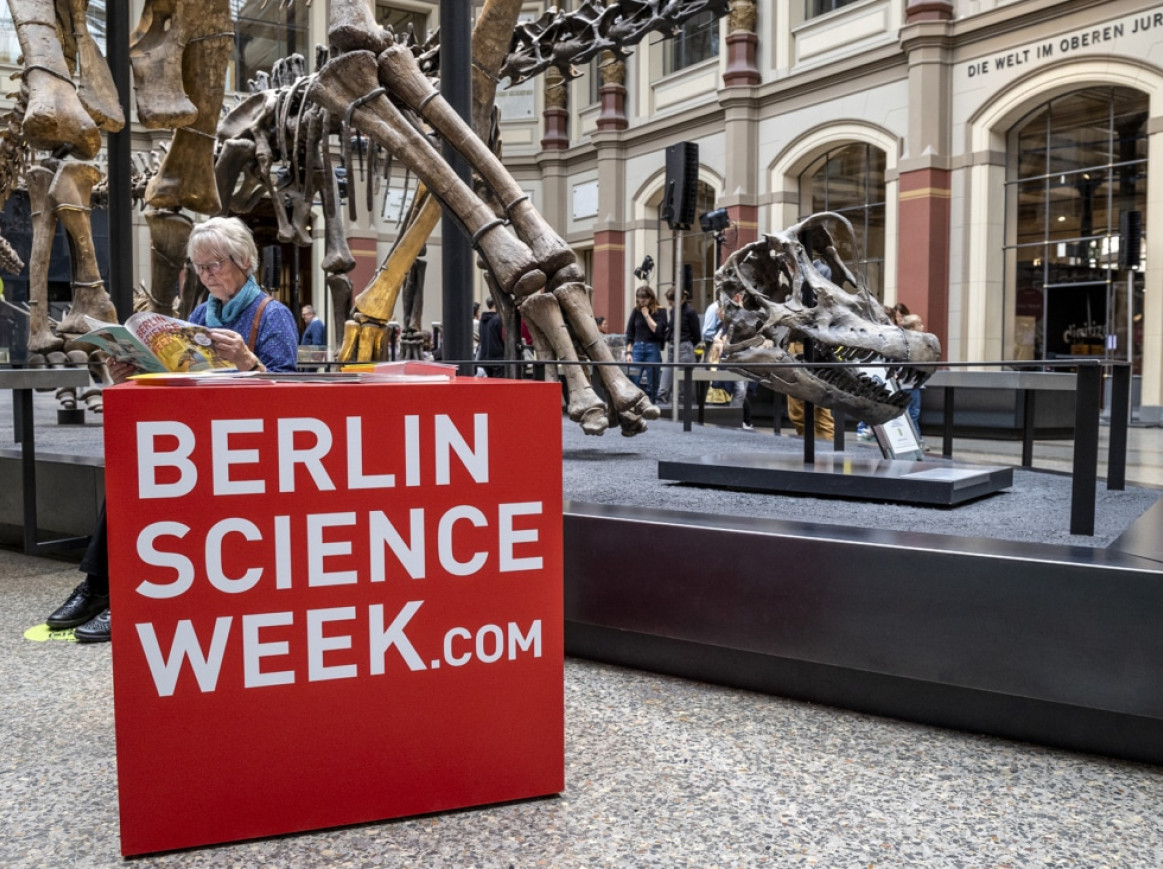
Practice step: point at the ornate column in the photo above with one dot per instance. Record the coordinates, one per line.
(741, 125)
(741, 45)
(613, 93)
(556, 112)
(925, 171)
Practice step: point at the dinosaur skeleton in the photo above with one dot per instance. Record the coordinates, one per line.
(786, 302)
(562, 40)
(376, 84)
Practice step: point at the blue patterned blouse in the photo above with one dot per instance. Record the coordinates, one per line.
(278, 334)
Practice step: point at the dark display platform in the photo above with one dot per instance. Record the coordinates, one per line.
(1058, 645)
(835, 475)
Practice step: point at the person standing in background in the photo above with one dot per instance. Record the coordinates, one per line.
(314, 334)
(645, 335)
(690, 330)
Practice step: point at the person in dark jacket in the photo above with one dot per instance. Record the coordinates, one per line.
(691, 330)
(645, 335)
(492, 344)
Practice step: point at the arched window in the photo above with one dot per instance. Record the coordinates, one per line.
(849, 180)
(1076, 166)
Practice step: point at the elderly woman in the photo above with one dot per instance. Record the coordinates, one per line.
(248, 327)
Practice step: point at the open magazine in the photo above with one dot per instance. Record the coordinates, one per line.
(156, 343)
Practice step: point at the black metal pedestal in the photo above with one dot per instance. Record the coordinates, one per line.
(833, 475)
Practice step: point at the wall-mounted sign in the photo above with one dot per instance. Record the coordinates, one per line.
(1099, 37)
(585, 200)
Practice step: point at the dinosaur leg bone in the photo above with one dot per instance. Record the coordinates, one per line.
(155, 53)
(398, 66)
(44, 225)
(54, 116)
(233, 157)
(542, 312)
(348, 86)
(168, 232)
(97, 92)
(69, 197)
(186, 177)
(631, 402)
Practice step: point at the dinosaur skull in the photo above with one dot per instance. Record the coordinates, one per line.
(778, 298)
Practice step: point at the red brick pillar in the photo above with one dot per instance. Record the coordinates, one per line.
(742, 42)
(556, 113)
(744, 229)
(609, 277)
(923, 247)
(613, 93)
(366, 261)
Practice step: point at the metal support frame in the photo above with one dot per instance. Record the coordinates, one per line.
(24, 383)
(120, 165)
(1085, 449)
(456, 255)
(1116, 466)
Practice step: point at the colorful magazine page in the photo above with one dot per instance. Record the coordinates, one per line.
(156, 344)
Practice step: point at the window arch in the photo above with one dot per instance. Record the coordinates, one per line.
(653, 237)
(1075, 166)
(850, 180)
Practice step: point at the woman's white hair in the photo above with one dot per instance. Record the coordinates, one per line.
(222, 238)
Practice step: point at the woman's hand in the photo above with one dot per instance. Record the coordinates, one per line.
(233, 349)
(119, 372)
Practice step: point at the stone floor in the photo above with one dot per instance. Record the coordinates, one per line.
(659, 772)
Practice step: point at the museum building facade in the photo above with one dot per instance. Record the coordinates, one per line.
(991, 155)
(987, 153)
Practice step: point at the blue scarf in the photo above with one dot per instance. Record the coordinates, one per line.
(218, 315)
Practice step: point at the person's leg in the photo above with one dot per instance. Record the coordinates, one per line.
(825, 425)
(96, 567)
(665, 377)
(795, 412)
(653, 354)
(686, 353)
(915, 408)
(638, 374)
(91, 597)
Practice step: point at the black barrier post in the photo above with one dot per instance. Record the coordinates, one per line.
(1027, 428)
(1085, 449)
(120, 165)
(688, 382)
(1116, 465)
(947, 425)
(839, 419)
(456, 256)
(809, 433)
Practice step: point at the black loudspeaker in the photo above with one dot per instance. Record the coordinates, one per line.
(682, 185)
(1130, 239)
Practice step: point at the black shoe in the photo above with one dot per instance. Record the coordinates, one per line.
(96, 630)
(81, 606)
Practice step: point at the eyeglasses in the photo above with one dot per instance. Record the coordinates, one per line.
(211, 268)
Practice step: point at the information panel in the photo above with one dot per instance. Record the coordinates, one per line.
(332, 603)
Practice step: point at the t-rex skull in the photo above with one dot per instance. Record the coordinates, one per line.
(777, 297)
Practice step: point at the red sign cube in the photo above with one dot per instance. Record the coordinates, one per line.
(333, 603)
